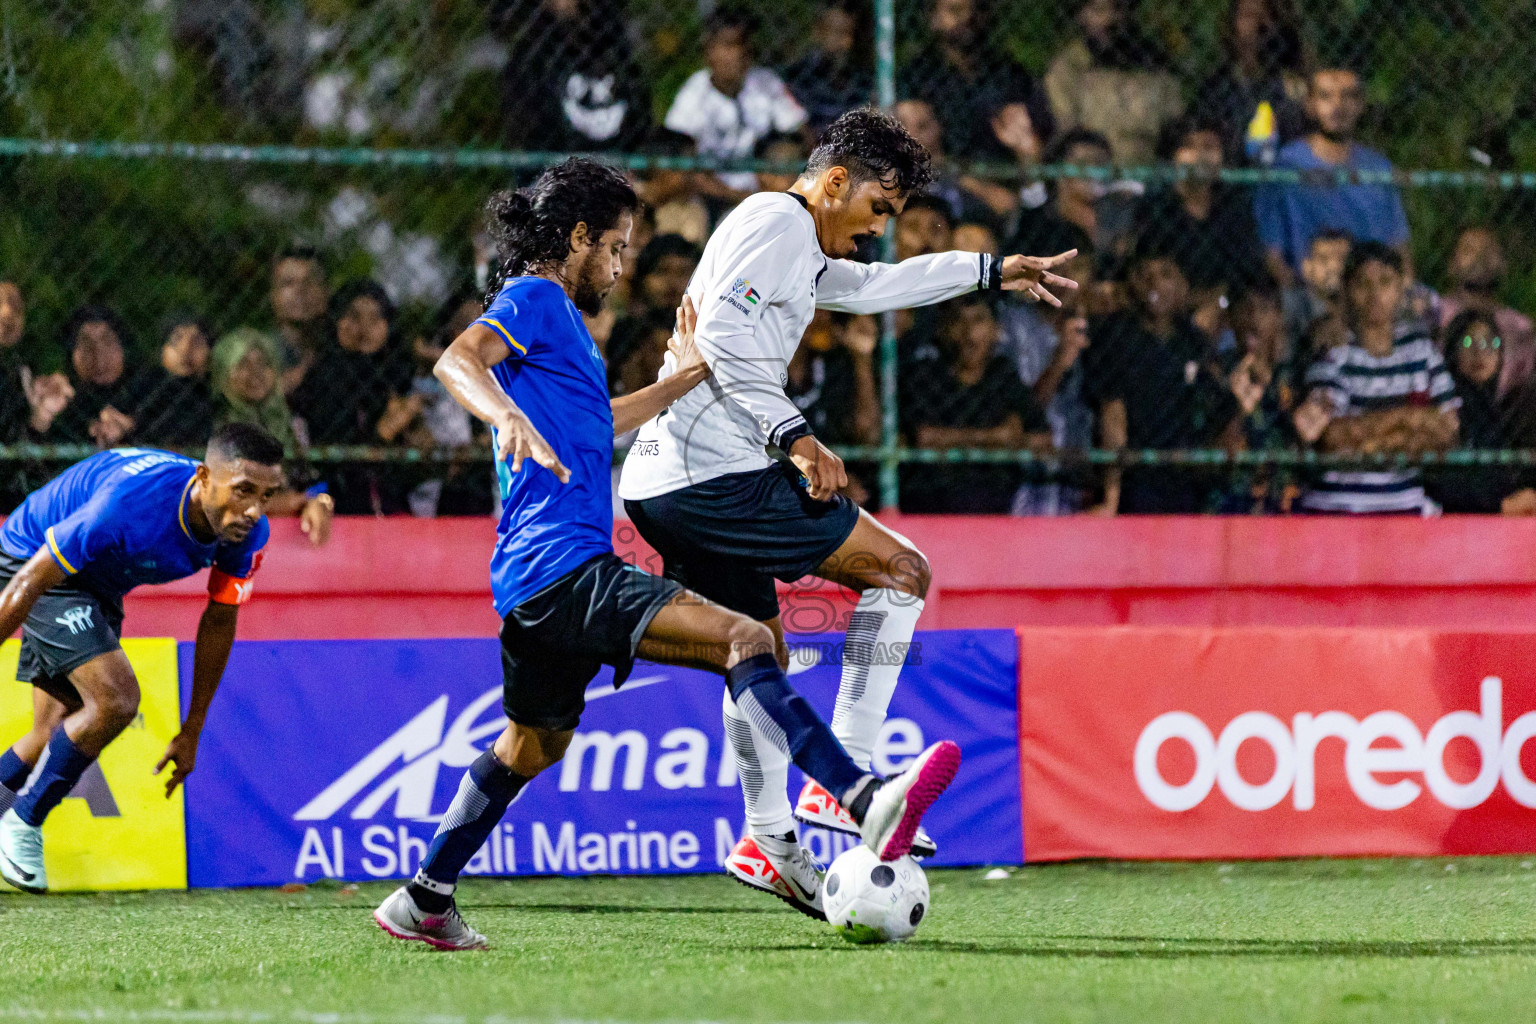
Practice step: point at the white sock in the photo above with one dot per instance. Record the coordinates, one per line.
(763, 767)
(879, 632)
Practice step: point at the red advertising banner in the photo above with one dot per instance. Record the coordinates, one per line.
(1248, 743)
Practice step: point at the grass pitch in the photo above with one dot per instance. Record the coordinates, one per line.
(1370, 940)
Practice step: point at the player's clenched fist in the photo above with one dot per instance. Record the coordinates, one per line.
(519, 439)
(824, 472)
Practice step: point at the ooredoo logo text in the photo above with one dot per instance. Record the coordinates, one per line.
(1384, 743)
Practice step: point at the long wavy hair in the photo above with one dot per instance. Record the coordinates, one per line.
(532, 226)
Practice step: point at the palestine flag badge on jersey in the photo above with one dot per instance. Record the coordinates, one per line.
(743, 288)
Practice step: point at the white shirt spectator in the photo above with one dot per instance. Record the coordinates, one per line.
(725, 126)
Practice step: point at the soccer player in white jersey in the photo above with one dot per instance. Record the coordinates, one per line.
(728, 517)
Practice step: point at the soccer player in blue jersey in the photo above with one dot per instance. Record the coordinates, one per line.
(569, 605)
(68, 554)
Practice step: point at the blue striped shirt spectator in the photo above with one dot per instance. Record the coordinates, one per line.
(1348, 381)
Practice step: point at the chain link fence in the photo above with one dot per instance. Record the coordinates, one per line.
(268, 209)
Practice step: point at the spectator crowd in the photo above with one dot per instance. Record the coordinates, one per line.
(1282, 318)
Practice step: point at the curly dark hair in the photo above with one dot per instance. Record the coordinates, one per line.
(873, 146)
(533, 225)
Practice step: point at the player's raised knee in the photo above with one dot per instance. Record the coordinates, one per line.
(910, 573)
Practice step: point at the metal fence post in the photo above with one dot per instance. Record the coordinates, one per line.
(885, 86)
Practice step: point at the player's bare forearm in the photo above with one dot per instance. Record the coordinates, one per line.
(629, 411)
(465, 370)
(215, 639)
(40, 574)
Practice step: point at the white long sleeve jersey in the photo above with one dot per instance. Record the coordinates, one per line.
(761, 279)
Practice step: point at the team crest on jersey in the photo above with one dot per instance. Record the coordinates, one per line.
(741, 288)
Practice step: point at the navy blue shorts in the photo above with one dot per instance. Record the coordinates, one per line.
(729, 538)
(556, 641)
(67, 627)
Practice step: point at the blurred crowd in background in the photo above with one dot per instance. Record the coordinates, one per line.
(1278, 317)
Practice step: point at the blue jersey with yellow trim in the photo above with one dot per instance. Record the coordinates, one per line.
(119, 519)
(556, 375)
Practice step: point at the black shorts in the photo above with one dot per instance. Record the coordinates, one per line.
(68, 626)
(556, 641)
(730, 537)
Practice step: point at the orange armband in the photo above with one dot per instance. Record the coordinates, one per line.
(226, 589)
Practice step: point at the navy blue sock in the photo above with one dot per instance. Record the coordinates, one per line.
(13, 771)
(759, 687)
(13, 775)
(486, 791)
(62, 766)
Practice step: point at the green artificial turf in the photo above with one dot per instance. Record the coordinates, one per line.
(1362, 940)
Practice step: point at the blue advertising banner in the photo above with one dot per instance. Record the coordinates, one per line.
(335, 759)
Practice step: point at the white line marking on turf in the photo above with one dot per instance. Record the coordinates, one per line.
(175, 1016)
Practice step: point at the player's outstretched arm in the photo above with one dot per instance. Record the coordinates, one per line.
(215, 638)
(849, 287)
(629, 411)
(465, 370)
(41, 573)
(870, 288)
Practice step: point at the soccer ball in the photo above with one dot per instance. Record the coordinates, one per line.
(868, 900)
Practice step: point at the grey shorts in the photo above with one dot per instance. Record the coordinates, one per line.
(68, 626)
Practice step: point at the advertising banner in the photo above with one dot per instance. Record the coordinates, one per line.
(1201, 743)
(336, 759)
(116, 830)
